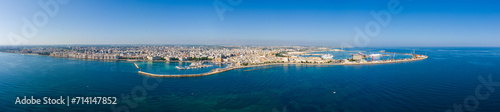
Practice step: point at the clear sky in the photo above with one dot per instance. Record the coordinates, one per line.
(251, 22)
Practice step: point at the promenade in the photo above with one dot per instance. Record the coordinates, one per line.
(231, 68)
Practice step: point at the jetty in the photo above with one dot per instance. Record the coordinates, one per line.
(220, 70)
(136, 66)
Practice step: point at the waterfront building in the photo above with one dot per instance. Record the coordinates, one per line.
(182, 59)
(285, 59)
(153, 57)
(218, 59)
(357, 57)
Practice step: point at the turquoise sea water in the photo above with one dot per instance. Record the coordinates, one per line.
(434, 84)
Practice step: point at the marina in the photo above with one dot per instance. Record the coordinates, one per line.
(194, 65)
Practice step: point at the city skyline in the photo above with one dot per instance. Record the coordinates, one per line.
(321, 23)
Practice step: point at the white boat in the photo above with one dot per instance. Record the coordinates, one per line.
(180, 68)
(327, 56)
(194, 64)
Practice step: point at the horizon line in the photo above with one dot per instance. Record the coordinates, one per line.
(230, 45)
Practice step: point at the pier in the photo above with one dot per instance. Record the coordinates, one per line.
(136, 66)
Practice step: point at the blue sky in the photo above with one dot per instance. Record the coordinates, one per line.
(254, 22)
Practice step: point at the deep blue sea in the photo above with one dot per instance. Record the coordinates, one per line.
(448, 77)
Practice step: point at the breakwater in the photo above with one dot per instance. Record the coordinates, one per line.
(189, 75)
(136, 66)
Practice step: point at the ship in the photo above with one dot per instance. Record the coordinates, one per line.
(327, 56)
(180, 68)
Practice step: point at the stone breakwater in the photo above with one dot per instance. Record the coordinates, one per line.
(216, 71)
(136, 66)
(189, 75)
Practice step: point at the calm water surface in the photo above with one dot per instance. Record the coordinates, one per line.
(434, 84)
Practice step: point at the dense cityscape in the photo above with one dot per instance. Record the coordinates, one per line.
(236, 55)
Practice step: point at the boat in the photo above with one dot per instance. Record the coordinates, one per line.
(195, 64)
(327, 56)
(180, 68)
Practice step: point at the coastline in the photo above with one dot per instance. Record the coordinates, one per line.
(220, 70)
(231, 68)
(128, 60)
